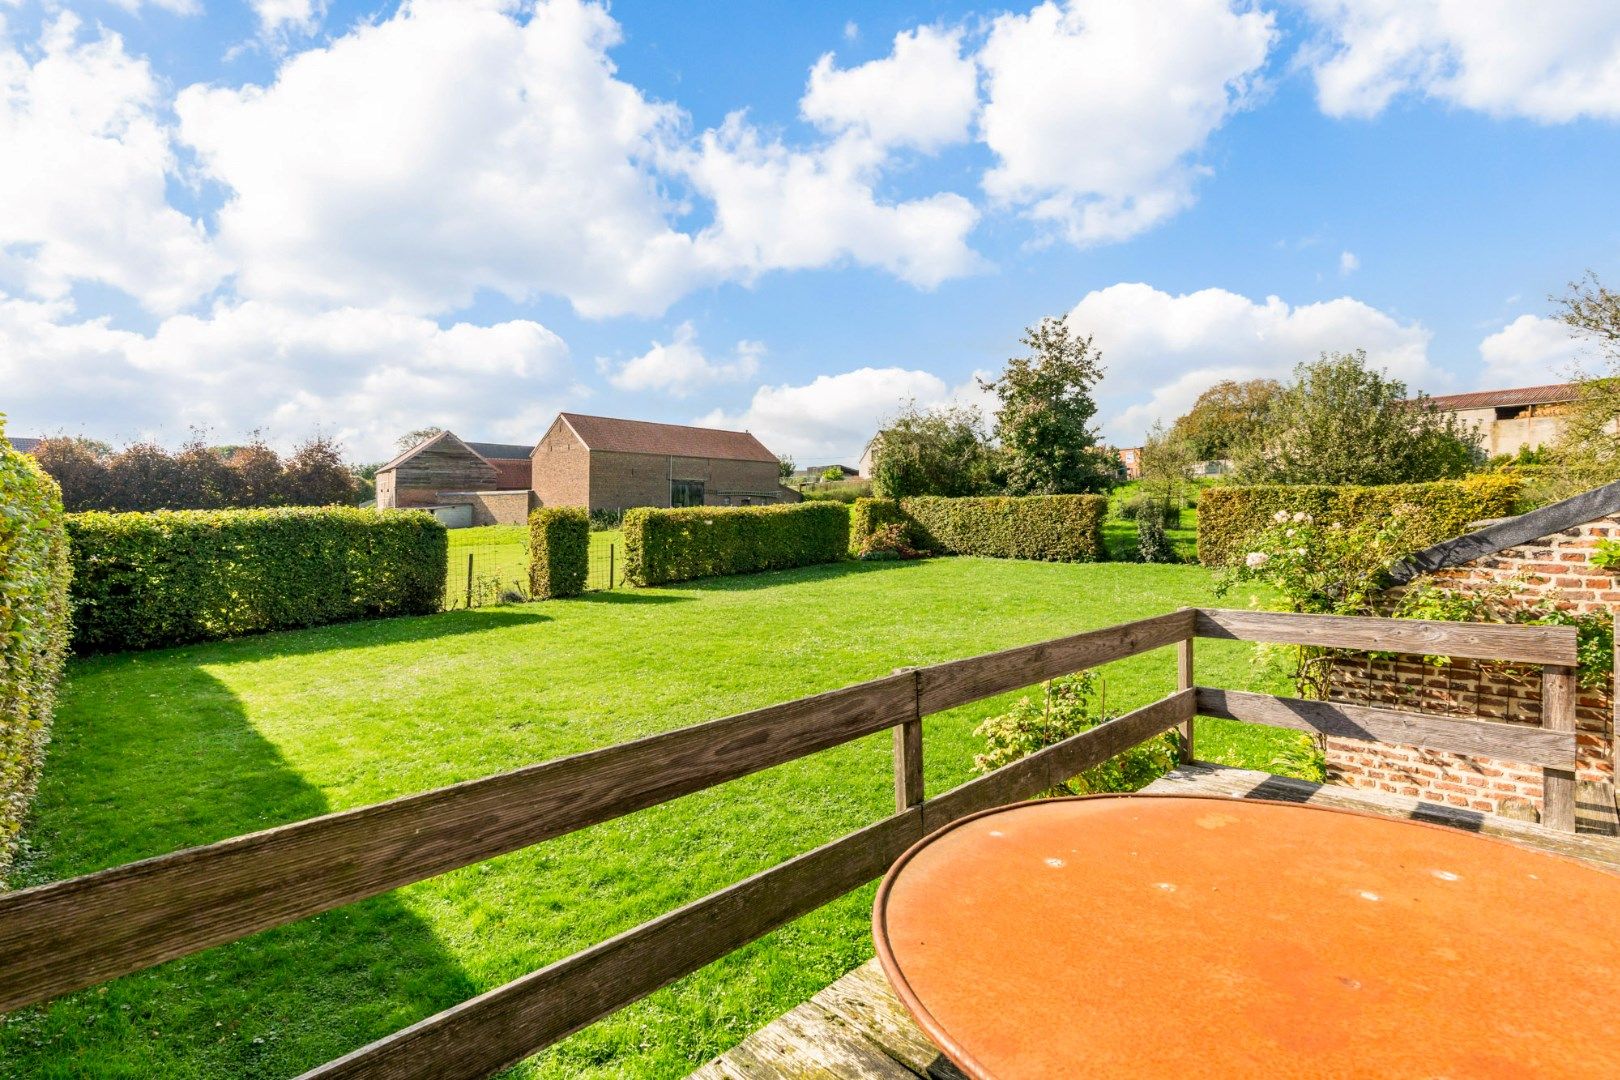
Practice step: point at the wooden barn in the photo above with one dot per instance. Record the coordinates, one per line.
(462, 483)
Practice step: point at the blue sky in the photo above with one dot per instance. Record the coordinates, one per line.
(366, 218)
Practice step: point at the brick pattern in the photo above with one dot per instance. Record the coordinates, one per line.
(1556, 568)
(494, 507)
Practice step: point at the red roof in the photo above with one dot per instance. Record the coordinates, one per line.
(1491, 399)
(642, 437)
(510, 474)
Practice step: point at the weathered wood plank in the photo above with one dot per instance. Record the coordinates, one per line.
(71, 934)
(1511, 532)
(1058, 763)
(1184, 681)
(507, 1024)
(1595, 810)
(1223, 781)
(865, 999)
(1421, 637)
(1486, 738)
(945, 686)
(908, 756)
(1558, 779)
(810, 1043)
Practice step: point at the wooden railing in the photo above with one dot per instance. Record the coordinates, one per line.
(72, 934)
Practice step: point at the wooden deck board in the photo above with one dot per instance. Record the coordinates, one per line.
(856, 1029)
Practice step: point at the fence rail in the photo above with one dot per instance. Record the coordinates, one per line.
(71, 934)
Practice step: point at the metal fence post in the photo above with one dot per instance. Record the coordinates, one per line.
(469, 580)
(610, 565)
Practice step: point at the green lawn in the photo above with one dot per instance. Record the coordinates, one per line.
(157, 751)
(497, 559)
(1119, 534)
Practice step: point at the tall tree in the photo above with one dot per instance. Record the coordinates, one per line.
(1225, 416)
(1341, 422)
(417, 437)
(1047, 444)
(315, 475)
(940, 451)
(79, 466)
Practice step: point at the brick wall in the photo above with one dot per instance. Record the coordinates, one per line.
(560, 468)
(493, 507)
(1555, 568)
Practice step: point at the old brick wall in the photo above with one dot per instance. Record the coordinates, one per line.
(1555, 568)
(560, 468)
(621, 480)
(494, 507)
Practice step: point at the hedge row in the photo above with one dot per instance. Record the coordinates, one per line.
(141, 581)
(559, 551)
(34, 573)
(661, 546)
(1229, 515)
(1050, 528)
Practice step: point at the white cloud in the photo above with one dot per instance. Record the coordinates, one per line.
(1553, 61)
(1529, 351)
(455, 147)
(365, 375)
(278, 17)
(780, 209)
(831, 418)
(1161, 350)
(83, 175)
(1348, 263)
(681, 367)
(178, 7)
(922, 95)
(1098, 108)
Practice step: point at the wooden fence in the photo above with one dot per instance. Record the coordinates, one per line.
(72, 934)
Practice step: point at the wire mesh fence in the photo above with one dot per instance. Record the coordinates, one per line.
(491, 565)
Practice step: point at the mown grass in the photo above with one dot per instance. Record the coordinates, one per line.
(158, 751)
(494, 559)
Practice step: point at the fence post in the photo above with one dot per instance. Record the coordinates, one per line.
(1558, 714)
(1184, 681)
(469, 580)
(610, 565)
(908, 751)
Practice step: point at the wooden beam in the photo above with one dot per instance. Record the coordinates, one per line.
(1421, 637)
(908, 757)
(1558, 699)
(505, 1025)
(1485, 738)
(75, 933)
(945, 686)
(1510, 532)
(1184, 681)
(1045, 769)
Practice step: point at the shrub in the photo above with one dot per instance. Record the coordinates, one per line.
(1228, 516)
(661, 546)
(867, 516)
(33, 629)
(559, 551)
(606, 520)
(1070, 705)
(1152, 546)
(1053, 528)
(141, 581)
(845, 491)
(891, 541)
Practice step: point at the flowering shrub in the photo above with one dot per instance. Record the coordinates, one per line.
(891, 541)
(1068, 706)
(1324, 568)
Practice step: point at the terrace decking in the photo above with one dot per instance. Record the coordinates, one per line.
(856, 1029)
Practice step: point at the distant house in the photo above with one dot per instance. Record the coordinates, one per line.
(1130, 459)
(863, 467)
(603, 463)
(25, 445)
(816, 473)
(1511, 420)
(461, 483)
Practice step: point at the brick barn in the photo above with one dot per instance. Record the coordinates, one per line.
(596, 462)
(602, 463)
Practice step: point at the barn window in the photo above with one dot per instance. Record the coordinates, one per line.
(686, 493)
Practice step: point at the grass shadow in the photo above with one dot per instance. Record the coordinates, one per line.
(629, 594)
(121, 786)
(771, 579)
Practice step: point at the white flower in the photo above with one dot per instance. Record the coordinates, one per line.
(1300, 515)
(1299, 551)
(1254, 560)
(1280, 516)
(1290, 532)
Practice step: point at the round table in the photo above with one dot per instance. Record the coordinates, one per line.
(1150, 935)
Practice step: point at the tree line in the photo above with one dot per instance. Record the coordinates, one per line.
(146, 476)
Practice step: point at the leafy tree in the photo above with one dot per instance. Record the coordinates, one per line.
(315, 475)
(79, 466)
(143, 476)
(204, 480)
(941, 451)
(784, 467)
(1166, 467)
(1225, 416)
(258, 473)
(832, 474)
(1047, 444)
(1586, 453)
(417, 437)
(1340, 422)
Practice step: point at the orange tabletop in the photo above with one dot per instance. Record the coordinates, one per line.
(1186, 936)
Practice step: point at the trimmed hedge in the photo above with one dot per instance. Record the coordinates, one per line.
(1049, 528)
(1229, 515)
(559, 551)
(142, 581)
(662, 546)
(867, 516)
(34, 572)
